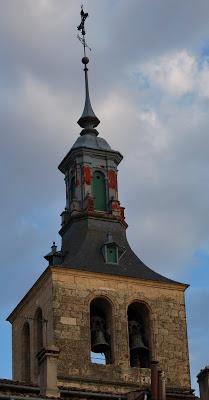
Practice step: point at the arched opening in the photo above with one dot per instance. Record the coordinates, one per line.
(99, 191)
(101, 331)
(26, 353)
(38, 338)
(139, 335)
(38, 330)
(72, 188)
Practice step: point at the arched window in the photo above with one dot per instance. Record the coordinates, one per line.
(26, 353)
(101, 331)
(38, 337)
(38, 330)
(72, 188)
(139, 335)
(99, 191)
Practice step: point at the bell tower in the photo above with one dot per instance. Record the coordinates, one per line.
(105, 312)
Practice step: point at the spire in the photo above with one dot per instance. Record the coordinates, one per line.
(88, 120)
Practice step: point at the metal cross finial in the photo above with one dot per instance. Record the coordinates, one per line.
(81, 28)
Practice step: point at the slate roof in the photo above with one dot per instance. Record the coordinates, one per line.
(83, 242)
(91, 142)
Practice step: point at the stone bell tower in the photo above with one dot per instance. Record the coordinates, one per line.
(107, 313)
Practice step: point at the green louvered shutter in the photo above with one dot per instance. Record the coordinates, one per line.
(112, 256)
(99, 191)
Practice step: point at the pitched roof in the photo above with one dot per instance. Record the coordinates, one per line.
(83, 244)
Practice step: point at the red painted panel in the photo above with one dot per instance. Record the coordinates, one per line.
(115, 205)
(87, 175)
(112, 179)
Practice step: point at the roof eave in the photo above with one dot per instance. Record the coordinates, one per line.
(11, 316)
(63, 165)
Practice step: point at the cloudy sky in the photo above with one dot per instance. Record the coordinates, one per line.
(149, 79)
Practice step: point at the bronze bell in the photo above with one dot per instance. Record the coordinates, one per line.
(135, 336)
(99, 343)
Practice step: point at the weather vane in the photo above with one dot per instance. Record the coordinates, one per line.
(88, 120)
(81, 28)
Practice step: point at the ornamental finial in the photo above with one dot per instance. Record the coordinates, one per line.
(88, 121)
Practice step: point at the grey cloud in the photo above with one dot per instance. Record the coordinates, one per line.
(161, 182)
(42, 40)
(163, 178)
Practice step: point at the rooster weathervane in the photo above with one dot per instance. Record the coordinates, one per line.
(81, 28)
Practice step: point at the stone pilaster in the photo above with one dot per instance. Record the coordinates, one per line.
(47, 359)
(203, 380)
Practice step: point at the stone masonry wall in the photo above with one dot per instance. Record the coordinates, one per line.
(64, 296)
(72, 293)
(40, 296)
